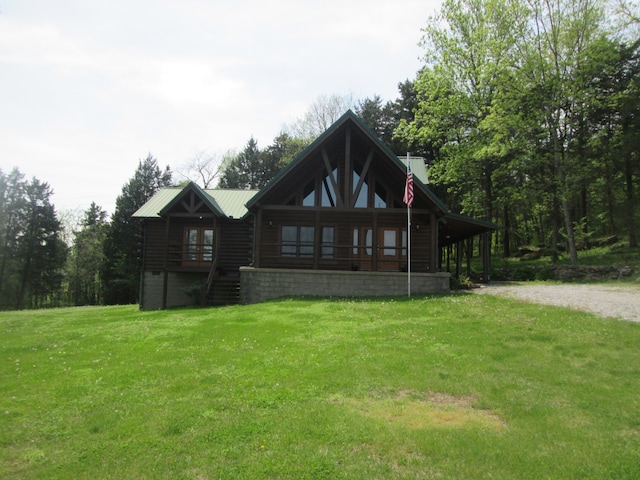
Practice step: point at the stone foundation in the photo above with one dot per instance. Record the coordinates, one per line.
(177, 283)
(260, 284)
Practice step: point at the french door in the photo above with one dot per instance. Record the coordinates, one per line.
(197, 246)
(362, 250)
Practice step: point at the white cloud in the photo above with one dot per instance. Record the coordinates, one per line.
(89, 88)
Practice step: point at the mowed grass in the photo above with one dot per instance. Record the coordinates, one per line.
(459, 386)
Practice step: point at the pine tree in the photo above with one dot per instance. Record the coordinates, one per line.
(121, 268)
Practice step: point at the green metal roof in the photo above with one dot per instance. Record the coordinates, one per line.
(418, 168)
(230, 203)
(156, 204)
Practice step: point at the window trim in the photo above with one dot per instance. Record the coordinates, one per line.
(200, 253)
(301, 247)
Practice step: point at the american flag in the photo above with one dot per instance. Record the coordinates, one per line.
(408, 188)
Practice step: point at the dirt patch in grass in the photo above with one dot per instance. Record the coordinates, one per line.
(418, 411)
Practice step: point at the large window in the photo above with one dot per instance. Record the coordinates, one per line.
(329, 197)
(363, 194)
(309, 195)
(297, 241)
(328, 241)
(197, 246)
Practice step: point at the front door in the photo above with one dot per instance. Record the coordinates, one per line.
(392, 249)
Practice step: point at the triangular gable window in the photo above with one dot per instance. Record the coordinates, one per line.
(329, 197)
(361, 190)
(309, 195)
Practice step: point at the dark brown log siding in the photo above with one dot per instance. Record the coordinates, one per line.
(344, 221)
(233, 238)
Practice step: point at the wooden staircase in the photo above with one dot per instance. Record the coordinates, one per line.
(224, 290)
(221, 289)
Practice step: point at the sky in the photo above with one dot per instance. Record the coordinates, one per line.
(88, 88)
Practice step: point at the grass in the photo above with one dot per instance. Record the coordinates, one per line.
(459, 386)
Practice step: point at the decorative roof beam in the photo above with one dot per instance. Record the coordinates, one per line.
(334, 183)
(363, 175)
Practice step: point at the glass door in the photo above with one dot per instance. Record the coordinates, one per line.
(198, 246)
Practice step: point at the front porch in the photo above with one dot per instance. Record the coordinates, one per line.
(261, 284)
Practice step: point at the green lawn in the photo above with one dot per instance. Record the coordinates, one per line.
(460, 386)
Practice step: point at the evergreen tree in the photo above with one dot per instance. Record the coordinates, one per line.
(41, 253)
(12, 203)
(121, 268)
(87, 256)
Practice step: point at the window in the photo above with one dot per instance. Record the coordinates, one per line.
(329, 197)
(380, 198)
(362, 249)
(363, 195)
(289, 241)
(389, 242)
(309, 196)
(327, 247)
(297, 241)
(198, 246)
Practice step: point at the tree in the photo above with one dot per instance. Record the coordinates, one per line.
(563, 30)
(87, 256)
(41, 253)
(12, 187)
(203, 169)
(121, 269)
(470, 45)
(322, 113)
(245, 171)
(280, 153)
(254, 168)
(612, 71)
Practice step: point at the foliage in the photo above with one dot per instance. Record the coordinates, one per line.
(322, 113)
(254, 168)
(121, 268)
(33, 255)
(457, 386)
(529, 108)
(203, 169)
(87, 257)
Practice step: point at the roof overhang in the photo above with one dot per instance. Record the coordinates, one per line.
(455, 228)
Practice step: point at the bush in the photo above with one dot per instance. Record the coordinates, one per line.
(545, 273)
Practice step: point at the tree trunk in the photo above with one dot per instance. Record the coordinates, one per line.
(631, 220)
(506, 247)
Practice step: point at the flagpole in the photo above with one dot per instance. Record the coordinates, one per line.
(408, 237)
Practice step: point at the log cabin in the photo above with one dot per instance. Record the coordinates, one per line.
(331, 223)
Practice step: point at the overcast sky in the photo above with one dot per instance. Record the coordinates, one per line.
(88, 87)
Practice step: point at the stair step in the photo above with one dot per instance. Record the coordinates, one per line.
(224, 291)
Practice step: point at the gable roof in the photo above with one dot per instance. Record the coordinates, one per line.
(420, 174)
(227, 203)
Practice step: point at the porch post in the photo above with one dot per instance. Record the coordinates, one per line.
(486, 257)
(469, 254)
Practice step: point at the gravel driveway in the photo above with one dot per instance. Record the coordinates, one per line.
(605, 300)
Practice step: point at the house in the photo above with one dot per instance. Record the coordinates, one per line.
(331, 223)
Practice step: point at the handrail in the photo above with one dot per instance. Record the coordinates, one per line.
(211, 276)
